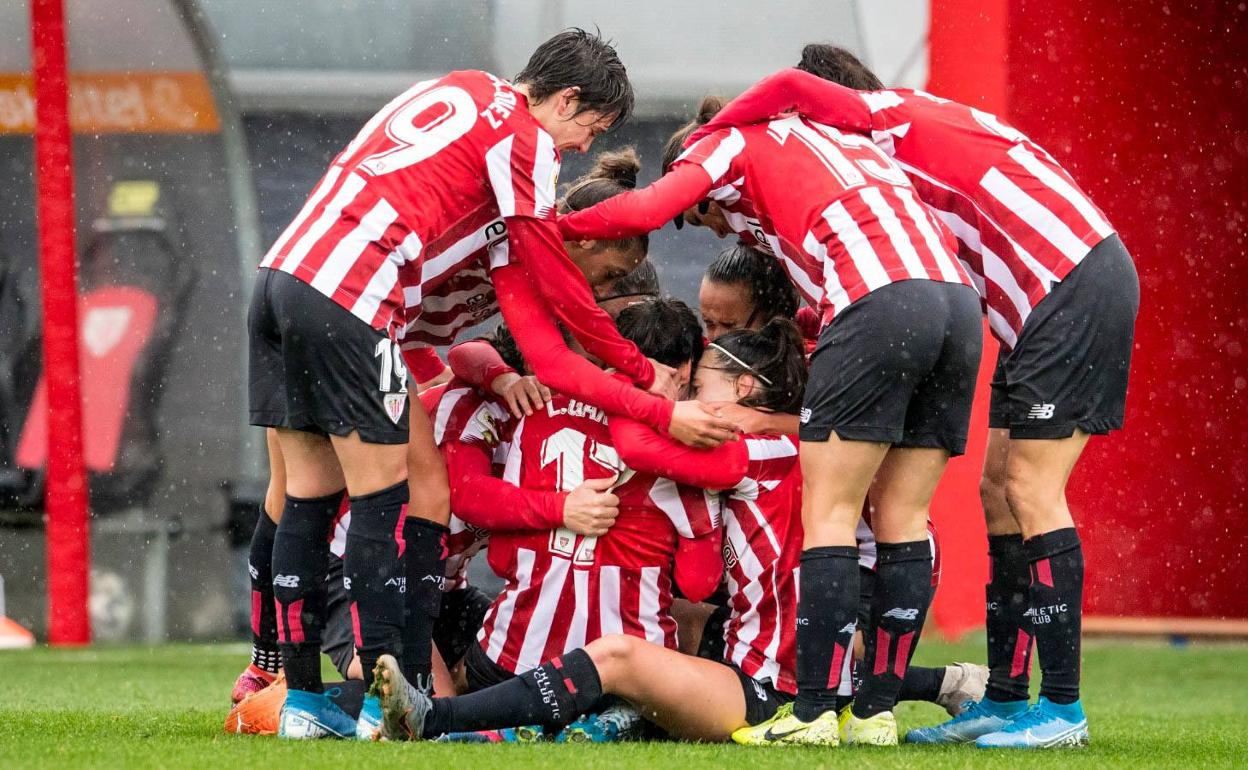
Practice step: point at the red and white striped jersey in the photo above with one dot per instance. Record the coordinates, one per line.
(1021, 222)
(462, 413)
(762, 550)
(564, 590)
(416, 199)
(842, 218)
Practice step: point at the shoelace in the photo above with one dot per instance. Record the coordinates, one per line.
(1033, 717)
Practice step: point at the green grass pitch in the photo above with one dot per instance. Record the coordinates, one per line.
(1149, 704)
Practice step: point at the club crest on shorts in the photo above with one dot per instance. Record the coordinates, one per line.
(394, 403)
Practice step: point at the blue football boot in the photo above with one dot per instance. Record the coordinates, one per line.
(980, 718)
(1046, 725)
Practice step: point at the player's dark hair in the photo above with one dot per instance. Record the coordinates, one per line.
(643, 281)
(664, 329)
(838, 65)
(501, 340)
(770, 289)
(708, 108)
(575, 58)
(775, 355)
(612, 173)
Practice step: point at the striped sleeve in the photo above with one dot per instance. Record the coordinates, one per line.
(523, 170)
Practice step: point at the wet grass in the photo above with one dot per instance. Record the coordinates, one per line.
(1149, 705)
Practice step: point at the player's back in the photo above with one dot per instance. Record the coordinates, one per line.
(417, 193)
(825, 196)
(762, 550)
(563, 589)
(1021, 220)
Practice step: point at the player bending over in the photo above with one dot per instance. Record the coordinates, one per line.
(891, 380)
(1061, 294)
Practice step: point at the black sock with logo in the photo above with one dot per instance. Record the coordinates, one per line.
(827, 612)
(902, 593)
(1056, 560)
(424, 561)
(265, 654)
(376, 575)
(552, 695)
(1008, 623)
(300, 561)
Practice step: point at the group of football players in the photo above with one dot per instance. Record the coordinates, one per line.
(706, 529)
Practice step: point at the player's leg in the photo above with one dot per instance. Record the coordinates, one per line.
(692, 697)
(266, 658)
(424, 532)
(1008, 626)
(901, 494)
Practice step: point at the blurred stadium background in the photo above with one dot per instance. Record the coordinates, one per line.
(200, 125)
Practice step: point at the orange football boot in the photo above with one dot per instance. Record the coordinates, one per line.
(258, 713)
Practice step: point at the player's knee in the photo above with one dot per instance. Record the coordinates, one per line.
(992, 495)
(1028, 493)
(613, 652)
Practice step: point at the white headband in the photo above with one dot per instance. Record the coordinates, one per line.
(741, 364)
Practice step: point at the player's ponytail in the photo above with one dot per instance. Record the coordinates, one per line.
(775, 356)
(612, 173)
(838, 65)
(708, 108)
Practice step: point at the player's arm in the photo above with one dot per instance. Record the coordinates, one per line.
(484, 501)
(558, 367)
(646, 451)
(699, 565)
(792, 90)
(424, 367)
(641, 211)
(476, 362)
(535, 246)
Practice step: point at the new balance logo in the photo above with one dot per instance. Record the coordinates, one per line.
(849, 627)
(255, 573)
(1041, 411)
(286, 581)
(805, 416)
(902, 614)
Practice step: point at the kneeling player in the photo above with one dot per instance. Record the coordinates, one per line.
(691, 697)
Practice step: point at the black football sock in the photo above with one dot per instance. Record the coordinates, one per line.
(826, 617)
(348, 696)
(902, 593)
(552, 695)
(424, 563)
(921, 683)
(375, 574)
(265, 654)
(1057, 610)
(1008, 624)
(300, 559)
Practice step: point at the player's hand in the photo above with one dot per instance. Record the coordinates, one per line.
(523, 395)
(591, 508)
(700, 425)
(665, 383)
(756, 421)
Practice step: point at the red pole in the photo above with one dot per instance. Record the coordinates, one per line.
(68, 542)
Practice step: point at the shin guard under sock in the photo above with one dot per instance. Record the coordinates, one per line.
(1008, 624)
(265, 654)
(300, 560)
(424, 564)
(1056, 610)
(552, 695)
(902, 593)
(827, 610)
(373, 569)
